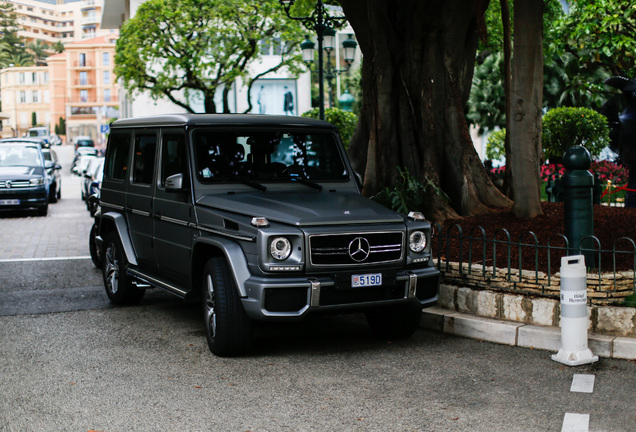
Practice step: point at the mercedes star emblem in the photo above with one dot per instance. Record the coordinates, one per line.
(359, 249)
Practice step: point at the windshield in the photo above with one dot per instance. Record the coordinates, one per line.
(267, 156)
(20, 156)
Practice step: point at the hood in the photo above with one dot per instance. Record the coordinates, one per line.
(304, 208)
(20, 172)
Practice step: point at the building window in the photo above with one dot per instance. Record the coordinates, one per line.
(35, 96)
(106, 95)
(83, 95)
(83, 78)
(46, 77)
(34, 77)
(105, 59)
(106, 77)
(22, 97)
(82, 59)
(21, 78)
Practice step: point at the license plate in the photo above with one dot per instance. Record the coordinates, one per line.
(364, 280)
(10, 202)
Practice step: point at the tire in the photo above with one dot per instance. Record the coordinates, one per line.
(227, 326)
(92, 247)
(394, 322)
(118, 284)
(43, 210)
(53, 193)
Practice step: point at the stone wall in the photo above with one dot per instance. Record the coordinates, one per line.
(603, 289)
(533, 310)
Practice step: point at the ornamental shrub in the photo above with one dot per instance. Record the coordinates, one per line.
(344, 121)
(565, 127)
(495, 145)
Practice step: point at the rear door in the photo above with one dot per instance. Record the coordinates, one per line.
(139, 199)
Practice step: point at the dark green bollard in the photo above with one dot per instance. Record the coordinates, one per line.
(578, 186)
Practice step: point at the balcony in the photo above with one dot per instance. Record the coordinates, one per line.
(89, 4)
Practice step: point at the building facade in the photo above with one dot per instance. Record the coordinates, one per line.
(83, 87)
(52, 21)
(26, 99)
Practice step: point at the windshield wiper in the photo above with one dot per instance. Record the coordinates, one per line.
(253, 184)
(306, 182)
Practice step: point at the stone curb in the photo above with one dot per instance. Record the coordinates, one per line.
(521, 334)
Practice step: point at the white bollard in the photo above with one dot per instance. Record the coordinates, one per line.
(574, 350)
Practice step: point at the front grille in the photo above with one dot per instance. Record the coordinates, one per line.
(356, 248)
(15, 184)
(285, 299)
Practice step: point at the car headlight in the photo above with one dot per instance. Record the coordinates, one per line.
(280, 248)
(417, 241)
(38, 181)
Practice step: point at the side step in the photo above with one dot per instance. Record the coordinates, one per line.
(150, 280)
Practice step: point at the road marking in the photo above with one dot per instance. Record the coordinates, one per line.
(582, 383)
(72, 258)
(576, 423)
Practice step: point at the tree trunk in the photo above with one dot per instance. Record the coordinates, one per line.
(417, 72)
(507, 49)
(525, 114)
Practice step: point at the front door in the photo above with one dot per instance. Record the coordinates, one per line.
(173, 210)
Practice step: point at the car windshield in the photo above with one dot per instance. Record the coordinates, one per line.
(267, 156)
(20, 156)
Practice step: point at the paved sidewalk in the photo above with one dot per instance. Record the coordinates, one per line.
(521, 334)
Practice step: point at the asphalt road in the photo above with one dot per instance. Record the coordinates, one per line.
(70, 361)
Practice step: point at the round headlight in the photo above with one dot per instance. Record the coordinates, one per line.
(280, 248)
(417, 241)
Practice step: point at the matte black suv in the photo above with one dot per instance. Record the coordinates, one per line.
(260, 216)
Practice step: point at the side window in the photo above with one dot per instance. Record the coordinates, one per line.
(174, 158)
(118, 154)
(144, 159)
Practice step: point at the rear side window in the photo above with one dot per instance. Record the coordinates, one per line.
(144, 160)
(118, 154)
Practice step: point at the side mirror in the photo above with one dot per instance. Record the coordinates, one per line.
(174, 183)
(49, 165)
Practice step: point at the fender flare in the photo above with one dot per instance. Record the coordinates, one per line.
(234, 257)
(121, 227)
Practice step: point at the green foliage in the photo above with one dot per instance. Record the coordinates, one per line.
(34, 119)
(495, 146)
(600, 33)
(345, 121)
(565, 127)
(408, 194)
(12, 51)
(185, 50)
(487, 100)
(60, 128)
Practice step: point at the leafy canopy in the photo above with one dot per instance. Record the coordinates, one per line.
(184, 49)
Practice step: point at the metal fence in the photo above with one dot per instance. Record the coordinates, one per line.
(528, 266)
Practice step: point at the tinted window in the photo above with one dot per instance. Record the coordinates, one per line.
(118, 154)
(174, 157)
(266, 156)
(144, 159)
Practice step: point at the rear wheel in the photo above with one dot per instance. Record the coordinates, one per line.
(53, 193)
(394, 322)
(92, 247)
(227, 326)
(118, 284)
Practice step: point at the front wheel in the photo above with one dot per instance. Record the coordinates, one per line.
(394, 322)
(119, 286)
(227, 326)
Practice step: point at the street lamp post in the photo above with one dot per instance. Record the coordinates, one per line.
(319, 21)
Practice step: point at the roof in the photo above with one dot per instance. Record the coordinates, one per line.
(247, 120)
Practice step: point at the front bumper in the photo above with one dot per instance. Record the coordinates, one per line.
(289, 298)
(24, 198)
